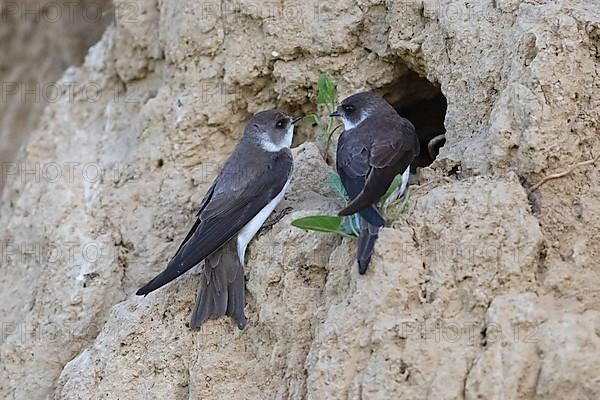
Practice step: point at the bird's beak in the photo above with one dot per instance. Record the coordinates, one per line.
(336, 113)
(296, 119)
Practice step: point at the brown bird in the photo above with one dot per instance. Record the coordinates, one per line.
(376, 145)
(248, 188)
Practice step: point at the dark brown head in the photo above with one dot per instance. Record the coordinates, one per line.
(273, 130)
(356, 108)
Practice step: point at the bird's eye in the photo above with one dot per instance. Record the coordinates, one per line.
(280, 123)
(348, 108)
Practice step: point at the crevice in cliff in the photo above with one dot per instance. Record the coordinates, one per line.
(423, 104)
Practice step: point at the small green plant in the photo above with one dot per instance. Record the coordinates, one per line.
(347, 226)
(396, 207)
(324, 223)
(326, 104)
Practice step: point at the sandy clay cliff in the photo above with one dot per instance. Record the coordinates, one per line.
(487, 287)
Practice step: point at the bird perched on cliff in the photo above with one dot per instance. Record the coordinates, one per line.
(376, 145)
(248, 188)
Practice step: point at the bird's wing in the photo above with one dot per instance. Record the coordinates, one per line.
(352, 164)
(395, 151)
(233, 202)
(205, 201)
(388, 155)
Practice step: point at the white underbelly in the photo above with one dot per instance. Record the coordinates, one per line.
(250, 229)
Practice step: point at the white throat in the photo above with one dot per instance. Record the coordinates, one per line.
(267, 144)
(350, 125)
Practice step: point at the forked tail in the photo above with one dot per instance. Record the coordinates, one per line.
(366, 243)
(222, 287)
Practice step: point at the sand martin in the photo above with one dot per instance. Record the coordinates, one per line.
(376, 145)
(248, 188)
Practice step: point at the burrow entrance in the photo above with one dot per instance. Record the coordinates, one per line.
(423, 104)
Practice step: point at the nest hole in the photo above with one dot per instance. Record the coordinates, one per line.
(423, 104)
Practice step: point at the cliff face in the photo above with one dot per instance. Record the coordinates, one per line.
(487, 287)
(38, 40)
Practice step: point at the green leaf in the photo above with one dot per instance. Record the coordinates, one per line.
(326, 90)
(395, 210)
(351, 225)
(335, 183)
(320, 223)
(395, 184)
(402, 206)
